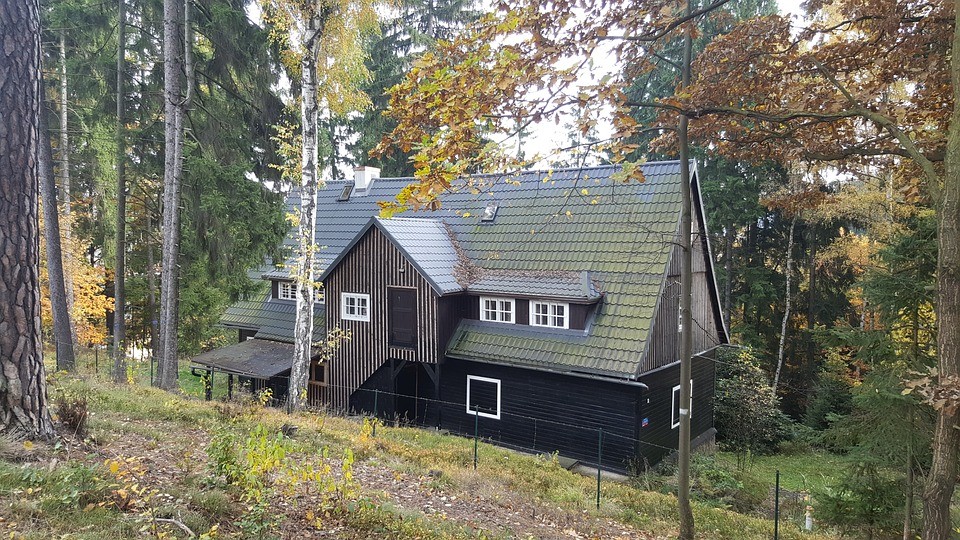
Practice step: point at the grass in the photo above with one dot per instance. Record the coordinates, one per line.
(166, 432)
(798, 472)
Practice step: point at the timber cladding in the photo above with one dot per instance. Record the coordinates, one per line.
(373, 266)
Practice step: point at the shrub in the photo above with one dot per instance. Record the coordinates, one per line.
(73, 413)
(748, 415)
(864, 501)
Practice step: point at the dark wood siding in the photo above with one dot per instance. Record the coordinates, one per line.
(658, 435)
(450, 310)
(664, 341)
(371, 267)
(547, 412)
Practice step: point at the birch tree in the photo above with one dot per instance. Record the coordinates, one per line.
(322, 42)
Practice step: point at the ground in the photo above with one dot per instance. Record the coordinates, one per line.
(153, 464)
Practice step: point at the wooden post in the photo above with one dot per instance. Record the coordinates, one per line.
(230, 386)
(208, 385)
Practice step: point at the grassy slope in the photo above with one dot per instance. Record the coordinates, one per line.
(159, 441)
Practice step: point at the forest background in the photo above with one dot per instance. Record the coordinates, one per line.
(827, 272)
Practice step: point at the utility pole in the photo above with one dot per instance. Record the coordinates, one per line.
(686, 283)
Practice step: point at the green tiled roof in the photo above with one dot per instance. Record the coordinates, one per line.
(570, 222)
(272, 319)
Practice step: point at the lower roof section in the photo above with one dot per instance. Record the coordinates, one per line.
(257, 358)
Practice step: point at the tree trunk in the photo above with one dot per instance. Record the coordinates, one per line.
(62, 330)
(942, 478)
(728, 273)
(811, 305)
(23, 392)
(687, 528)
(786, 310)
(119, 296)
(303, 325)
(151, 288)
(65, 183)
(167, 367)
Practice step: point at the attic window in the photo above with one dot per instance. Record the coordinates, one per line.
(496, 309)
(345, 193)
(490, 212)
(286, 290)
(549, 314)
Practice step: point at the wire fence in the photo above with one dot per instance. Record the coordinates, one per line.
(611, 445)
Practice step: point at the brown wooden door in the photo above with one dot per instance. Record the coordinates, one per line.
(403, 317)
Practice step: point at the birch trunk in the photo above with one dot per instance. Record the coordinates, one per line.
(728, 273)
(62, 330)
(167, 367)
(119, 305)
(23, 393)
(786, 310)
(303, 326)
(65, 182)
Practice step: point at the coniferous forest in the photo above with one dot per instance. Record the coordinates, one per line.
(147, 148)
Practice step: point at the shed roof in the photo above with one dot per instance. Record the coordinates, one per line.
(256, 358)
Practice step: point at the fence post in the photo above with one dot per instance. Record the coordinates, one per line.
(96, 360)
(776, 508)
(376, 399)
(476, 434)
(599, 460)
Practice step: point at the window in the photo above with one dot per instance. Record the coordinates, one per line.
(496, 309)
(675, 405)
(286, 290)
(402, 306)
(483, 397)
(552, 314)
(355, 307)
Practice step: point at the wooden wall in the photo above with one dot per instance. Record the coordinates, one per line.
(657, 407)
(371, 266)
(547, 412)
(664, 339)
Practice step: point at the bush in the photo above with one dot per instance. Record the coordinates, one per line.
(737, 490)
(832, 397)
(748, 415)
(864, 501)
(73, 413)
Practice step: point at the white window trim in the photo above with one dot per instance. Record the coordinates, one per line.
(498, 299)
(291, 289)
(674, 397)
(355, 296)
(550, 316)
(483, 379)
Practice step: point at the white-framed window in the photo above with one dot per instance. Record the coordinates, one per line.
(483, 396)
(496, 309)
(675, 405)
(551, 314)
(355, 306)
(286, 290)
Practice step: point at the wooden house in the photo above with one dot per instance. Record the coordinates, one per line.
(539, 310)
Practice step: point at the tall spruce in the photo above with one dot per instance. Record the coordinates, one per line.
(119, 280)
(167, 367)
(62, 328)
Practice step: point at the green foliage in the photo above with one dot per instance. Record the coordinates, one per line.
(832, 398)
(864, 501)
(748, 415)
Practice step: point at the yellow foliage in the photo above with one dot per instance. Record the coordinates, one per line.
(90, 304)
